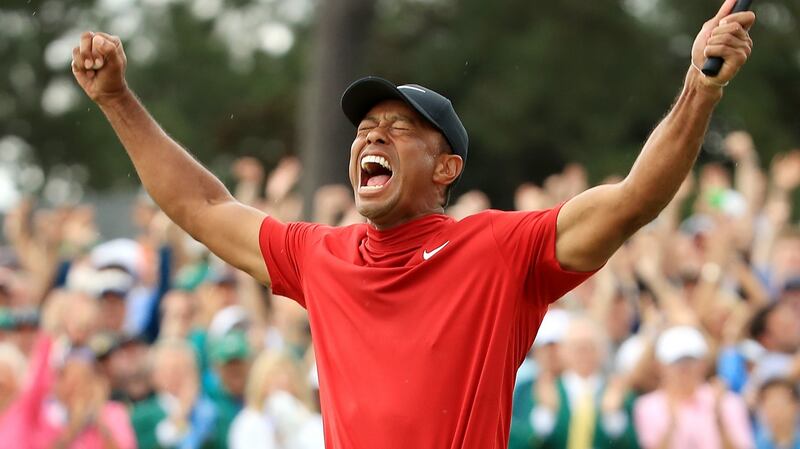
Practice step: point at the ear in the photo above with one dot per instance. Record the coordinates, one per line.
(448, 168)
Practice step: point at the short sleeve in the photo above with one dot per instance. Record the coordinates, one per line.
(284, 246)
(527, 240)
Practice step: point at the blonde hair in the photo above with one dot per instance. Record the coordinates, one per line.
(262, 375)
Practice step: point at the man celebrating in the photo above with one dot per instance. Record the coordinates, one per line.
(419, 322)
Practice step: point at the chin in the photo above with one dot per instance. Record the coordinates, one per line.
(374, 210)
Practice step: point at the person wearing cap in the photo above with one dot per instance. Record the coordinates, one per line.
(419, 321)
(569, 410)
(686, 410)
(544, 363)
(230, 357)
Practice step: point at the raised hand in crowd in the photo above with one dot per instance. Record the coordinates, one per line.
(249, 175)
(786, 171)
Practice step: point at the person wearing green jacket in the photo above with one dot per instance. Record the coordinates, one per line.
(577, 409)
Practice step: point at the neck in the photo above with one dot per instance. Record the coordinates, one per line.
(680, 392)
(383, 225)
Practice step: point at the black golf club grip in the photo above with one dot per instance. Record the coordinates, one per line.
(714, 64)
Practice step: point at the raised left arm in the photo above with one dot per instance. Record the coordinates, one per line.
(593, 225)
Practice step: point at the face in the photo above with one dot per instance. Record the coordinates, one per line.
(83, 319)
(684, 375)
(233, 375)
(786, 257)
(777, 406)
(172, 369)
(112, 311)
(582, 350)
(25, 337)
(547, 357)
(399, 165)
(783, 328)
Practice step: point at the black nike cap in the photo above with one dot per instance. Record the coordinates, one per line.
(365, 93)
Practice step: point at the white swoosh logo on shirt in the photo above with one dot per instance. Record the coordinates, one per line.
(427, 255)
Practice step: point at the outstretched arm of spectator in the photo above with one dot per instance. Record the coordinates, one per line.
(594, 224)
(189, 194)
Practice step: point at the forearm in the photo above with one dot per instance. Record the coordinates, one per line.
(671, 150)
(174, 179)
(593, 225)
(725, 439)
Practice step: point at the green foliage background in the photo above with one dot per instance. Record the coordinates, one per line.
(537, 84)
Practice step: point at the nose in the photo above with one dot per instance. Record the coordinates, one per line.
(376, 135)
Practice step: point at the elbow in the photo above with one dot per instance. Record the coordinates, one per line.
(193, 217)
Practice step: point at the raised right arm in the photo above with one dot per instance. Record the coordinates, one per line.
(185, 190)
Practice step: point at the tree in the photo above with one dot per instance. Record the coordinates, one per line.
(337, 58)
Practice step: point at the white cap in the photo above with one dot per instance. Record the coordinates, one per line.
(553, 327)
(226, 320)
(680, 342)
(124, 253)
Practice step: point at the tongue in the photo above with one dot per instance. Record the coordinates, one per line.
(378, 180)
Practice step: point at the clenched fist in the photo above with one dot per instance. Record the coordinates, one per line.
(99, 66)
(725, 36)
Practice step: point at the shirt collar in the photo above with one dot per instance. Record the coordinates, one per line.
(398, 244)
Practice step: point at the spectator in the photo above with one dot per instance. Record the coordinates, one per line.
(124, 361)
(230, 356)
(82, 417)
(778, 406)
(686, 411)
(565, 411)
(277, 412)
(777, 329)
(178, 416)
(730, 271)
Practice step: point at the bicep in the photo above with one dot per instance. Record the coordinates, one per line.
(230, 230)
(593, 225)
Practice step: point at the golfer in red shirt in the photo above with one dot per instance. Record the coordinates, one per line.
(419, 321)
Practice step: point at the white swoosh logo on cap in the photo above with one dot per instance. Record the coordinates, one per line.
(427, 255)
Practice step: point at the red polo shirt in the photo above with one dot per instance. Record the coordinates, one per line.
(419, 330)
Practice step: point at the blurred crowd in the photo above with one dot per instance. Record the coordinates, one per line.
(688, 338)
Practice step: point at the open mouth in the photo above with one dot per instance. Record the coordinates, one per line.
(375, 172)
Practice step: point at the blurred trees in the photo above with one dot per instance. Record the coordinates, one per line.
(323, 132)
(536, 83)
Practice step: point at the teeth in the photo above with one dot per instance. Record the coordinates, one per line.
(371, 158)
(371, 187)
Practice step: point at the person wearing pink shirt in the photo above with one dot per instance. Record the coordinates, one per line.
(64, 410)
(686, 411)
